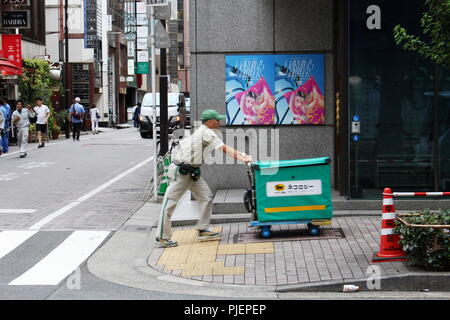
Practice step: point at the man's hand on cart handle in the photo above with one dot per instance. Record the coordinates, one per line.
(236, 154)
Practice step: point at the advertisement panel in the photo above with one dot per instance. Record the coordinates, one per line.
(275, 89)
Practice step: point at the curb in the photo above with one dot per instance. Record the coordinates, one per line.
(433, 281)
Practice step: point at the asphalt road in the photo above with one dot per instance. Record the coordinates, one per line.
(61, 204)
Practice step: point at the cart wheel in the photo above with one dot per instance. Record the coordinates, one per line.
(313, 230)
(265, 231)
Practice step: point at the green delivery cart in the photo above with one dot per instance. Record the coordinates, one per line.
(289, 192)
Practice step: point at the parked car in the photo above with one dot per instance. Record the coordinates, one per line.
(146, 117)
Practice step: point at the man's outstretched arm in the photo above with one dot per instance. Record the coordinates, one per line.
(240, 156)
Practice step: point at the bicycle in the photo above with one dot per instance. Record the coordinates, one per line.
(163, 162)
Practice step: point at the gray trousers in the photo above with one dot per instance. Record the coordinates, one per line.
(178, 185)
(22, 139)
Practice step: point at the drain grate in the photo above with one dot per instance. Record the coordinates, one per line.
(289, 235)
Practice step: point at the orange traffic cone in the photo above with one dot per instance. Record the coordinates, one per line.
(390, 249)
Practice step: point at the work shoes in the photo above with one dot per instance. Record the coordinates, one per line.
(206, 235)
(164, 243)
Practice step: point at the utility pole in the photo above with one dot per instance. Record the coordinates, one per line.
(155, 152)
(163, 88)
(136, 50)
(66, 67)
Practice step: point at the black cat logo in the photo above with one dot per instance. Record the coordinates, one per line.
(280, 187)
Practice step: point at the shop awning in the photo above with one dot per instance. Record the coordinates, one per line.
(7, 67)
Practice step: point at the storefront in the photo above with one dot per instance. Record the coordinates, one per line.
(401, 101)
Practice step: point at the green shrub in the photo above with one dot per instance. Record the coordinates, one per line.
(426, 247)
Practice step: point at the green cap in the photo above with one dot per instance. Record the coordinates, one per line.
(211, 115)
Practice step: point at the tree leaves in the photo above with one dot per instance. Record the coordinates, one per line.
(434, 44)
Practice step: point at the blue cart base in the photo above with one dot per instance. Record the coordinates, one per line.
(313, 225)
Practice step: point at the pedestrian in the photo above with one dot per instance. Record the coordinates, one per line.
(184, 174)
(21, 119)
(136, 115)
(43, 113)
(76, 112)
(5, 140)
(95, 116)
(2, 129)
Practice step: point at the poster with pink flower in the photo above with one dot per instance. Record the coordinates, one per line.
(275, 89)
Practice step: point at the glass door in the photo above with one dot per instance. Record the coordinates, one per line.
(391, 95)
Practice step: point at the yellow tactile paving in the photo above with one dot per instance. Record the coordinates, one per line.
(200, 269)
(231, 249)
(197, 258)
(263, 247)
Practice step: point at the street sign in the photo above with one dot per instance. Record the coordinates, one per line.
(16, 19)
(161, 12)
(156, 3)
(16, 2)
(162, 39)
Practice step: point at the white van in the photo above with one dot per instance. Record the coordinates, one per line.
(146, 117)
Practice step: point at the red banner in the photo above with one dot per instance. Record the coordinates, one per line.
(12, 50)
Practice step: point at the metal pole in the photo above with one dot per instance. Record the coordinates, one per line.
(155, 152)
(66, 66)
(163, 88)
(135, 50)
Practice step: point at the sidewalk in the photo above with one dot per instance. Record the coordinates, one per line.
(243, 265)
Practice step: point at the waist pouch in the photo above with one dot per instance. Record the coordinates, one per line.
(186, 169)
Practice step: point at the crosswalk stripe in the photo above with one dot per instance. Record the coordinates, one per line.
(9, 240)
(62, 261)
(17, 211)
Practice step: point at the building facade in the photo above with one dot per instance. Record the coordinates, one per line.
(399, 101)
(33, 42)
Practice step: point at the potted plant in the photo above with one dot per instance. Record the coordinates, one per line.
(55, 132)
(425, 237)
(32, 133)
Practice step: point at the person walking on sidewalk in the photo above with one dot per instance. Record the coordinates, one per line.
(184, 174)
(2, 128)
(136, 115)
(95, 115)
(5, 140)
(43, 113)
(21, 119)
(76, 114)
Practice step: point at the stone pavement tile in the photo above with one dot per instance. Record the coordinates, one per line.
(310, 262)
(330, 260)
(231, 249)
(342, 264)
(302, 271)
(199, 269)
(218, 279)
(155, 255)
(239, 279)
(228, 279)
(353, 241)
(176, 273)
(234, 229)
(208, 278)
(221, 257)
(243, 228)
(320, 260)
(230, 261)
(222, 270)
(262, 247)
(225, 234)
(240, 260)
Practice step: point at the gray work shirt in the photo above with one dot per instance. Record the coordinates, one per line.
(24, 117)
